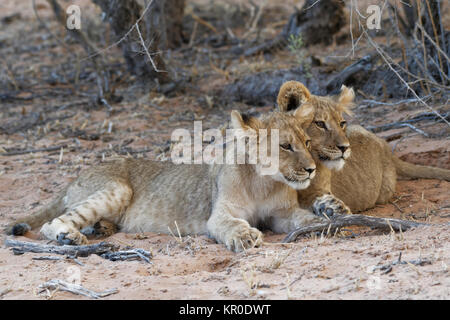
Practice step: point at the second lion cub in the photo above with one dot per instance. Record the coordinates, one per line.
(224, 201)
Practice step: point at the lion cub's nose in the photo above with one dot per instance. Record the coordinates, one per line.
(343, 148)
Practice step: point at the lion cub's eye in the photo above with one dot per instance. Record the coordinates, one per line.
(308, 144)
(320, 124)
(343, 123)
(286, 146)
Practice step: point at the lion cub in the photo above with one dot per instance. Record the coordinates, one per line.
(354, 166)
(224, 201)
(331, 148)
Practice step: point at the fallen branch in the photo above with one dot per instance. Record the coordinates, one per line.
(340, 221)
(407, 123)
(61, 285)
(105, 250)
(18, 152)
(20, 247)
(354, 73)
(133, 254)
(415, 129)
(372, 103)
(11, 96)
(54, 258)
(50, 258)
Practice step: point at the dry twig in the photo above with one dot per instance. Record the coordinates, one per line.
(18, 152)
(383, 55)
(386, 268)
(61, 285)
(145, 48)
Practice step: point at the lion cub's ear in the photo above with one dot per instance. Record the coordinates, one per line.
(292, 94)
(243, 121)
(345, 99)
(305, 115)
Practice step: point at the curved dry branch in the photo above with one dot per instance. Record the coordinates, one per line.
(340, 221)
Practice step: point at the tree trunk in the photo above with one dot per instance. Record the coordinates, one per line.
(174, 12)
(160, 27)
(316, 22)
(431, 21)
(429, 13)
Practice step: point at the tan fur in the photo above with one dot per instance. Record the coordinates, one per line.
(369, 175)
(224, 201)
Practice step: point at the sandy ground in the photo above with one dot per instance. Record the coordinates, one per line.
(335, 268)
(344, 266)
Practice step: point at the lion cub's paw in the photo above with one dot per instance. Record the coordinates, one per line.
(328, 205)
(100, 229)
(74, 238)
(64, 234)
(243, 237)
(104, 228)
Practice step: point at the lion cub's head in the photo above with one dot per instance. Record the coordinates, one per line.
(330, 144)
(296, 166)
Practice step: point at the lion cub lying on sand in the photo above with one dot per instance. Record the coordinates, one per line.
(224, 201)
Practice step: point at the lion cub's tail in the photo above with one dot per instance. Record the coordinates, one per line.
(413, 171)
(49, 212)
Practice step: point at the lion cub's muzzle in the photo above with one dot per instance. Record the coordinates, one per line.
(335, 158)
(301, 176)
(338, 153)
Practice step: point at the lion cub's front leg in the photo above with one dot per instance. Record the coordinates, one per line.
(328, 205)
(236, 233)
(105, 204)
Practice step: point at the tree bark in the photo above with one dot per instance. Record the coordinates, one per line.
(427, 13)
(174, 12)
(316, 22)
(160, 27)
